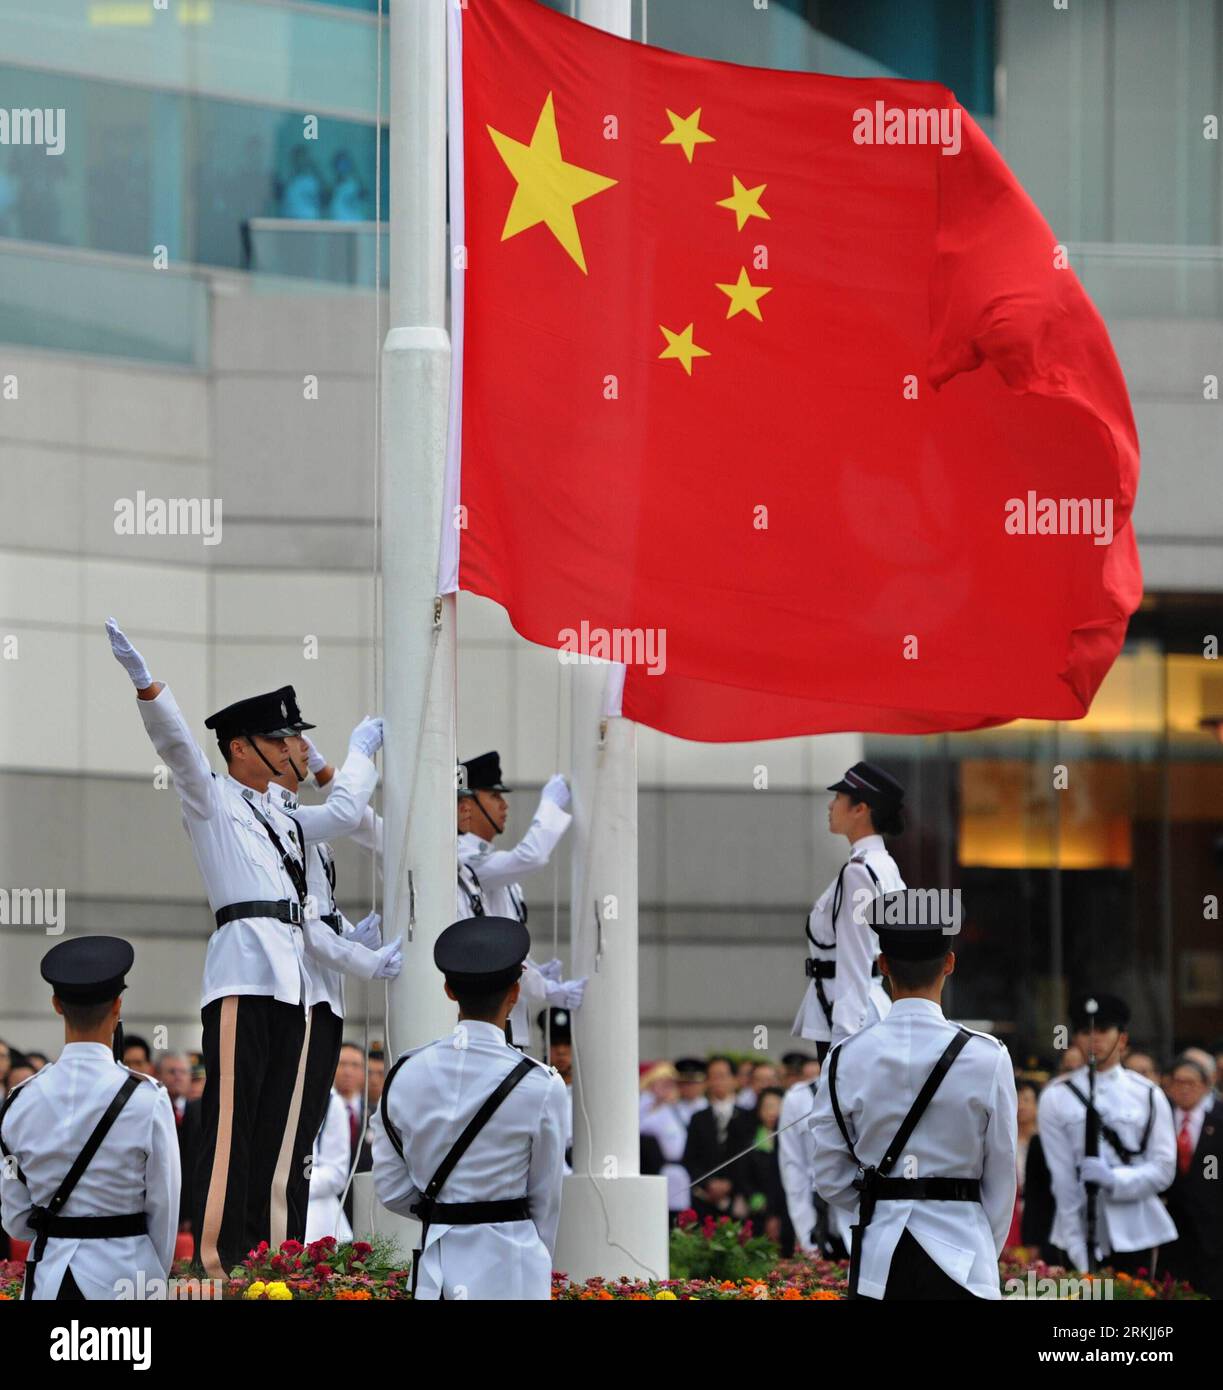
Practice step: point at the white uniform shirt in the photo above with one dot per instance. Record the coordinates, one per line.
(668, 1127)
(968, 1131)
(329, 1175)
(520, 1152)
(854, 997)
(796, 1159)
(239, 863)
(1131, 1216)
(136, 1169)
(327, 962)
(687, 1108)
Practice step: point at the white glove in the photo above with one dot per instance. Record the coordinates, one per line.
(368, 932)
(551, 970)
(556, 790)
(390, 960)
(566, 994)
(127, 656)
(314, 759)
(367, 736)
(1097, 1170)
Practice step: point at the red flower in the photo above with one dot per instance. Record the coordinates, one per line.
(686, 1219)
(291, 1247)
(323, 1271)
(361, 1250)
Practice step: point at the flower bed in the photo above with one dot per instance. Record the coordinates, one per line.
(361, 1272)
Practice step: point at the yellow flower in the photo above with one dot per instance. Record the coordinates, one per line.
(665, 1293)
(256, 1290)
(279, 1291)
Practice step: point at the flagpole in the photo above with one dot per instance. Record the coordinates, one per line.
(418, 627)
(613, 1220)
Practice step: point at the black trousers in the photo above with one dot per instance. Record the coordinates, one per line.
(322, 1054)
(914, 1276)
(255, 1064)
(1131, 1261)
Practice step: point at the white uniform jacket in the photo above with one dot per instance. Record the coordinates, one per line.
(239, 863)
(519, 1153)
(329, 1175)
(1130, 1216)
(796, 1158)
(854, 996)
(968, 1131)
(136, 1169)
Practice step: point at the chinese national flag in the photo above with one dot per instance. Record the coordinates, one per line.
(750, 368)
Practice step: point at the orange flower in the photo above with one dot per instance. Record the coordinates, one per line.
(353, 1295)
(791, 1294)
(825, 1295)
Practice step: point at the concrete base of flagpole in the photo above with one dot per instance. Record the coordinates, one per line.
(631, 1211)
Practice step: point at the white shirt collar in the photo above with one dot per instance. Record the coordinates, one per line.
(87, 1049)
(868, 844)
(913, 1005)
(477, 1028)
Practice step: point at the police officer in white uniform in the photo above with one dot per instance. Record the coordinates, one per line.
(90, 1169)
(470, 1135)
(325, 998)
(1136, 1148)
(250, 852)
(488, 878)
(844, 992)
(915, 1127)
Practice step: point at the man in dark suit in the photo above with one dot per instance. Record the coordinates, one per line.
(715, 1134)
(1195, 1199)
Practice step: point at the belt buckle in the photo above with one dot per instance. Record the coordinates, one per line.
(863, 1178)
(295, 914)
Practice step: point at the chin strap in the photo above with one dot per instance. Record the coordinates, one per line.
(475, 796)
(275, 771)
(299, 773)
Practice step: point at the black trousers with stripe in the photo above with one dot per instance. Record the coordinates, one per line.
(913, 1275)
(254, 1059)
(322, 1054)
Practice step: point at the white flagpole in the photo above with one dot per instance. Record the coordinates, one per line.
(613, 1220)
(418, 628)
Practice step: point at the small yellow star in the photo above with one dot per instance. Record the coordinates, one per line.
(745, 297)
(745, 202)
(681, 347)
(548, 188)
(686, 131)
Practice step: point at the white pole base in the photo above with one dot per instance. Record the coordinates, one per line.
(636, 1211)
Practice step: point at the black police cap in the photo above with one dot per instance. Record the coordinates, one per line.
(691, 1068)
(88, 969)
(871, 784)
(556, 1024)
(274, 715)
(1111, 1012)
(482, 774)
(482, 954)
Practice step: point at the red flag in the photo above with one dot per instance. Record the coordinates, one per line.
(778, 387)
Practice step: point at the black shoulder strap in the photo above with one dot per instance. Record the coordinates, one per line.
(4, 1109)
(832, 1096)
(475, 1125)
(295, 870)
(93, 1143)
(837, 895)
(391, 1132)
(916, 1110)
(1110, 1135)
(472, 892)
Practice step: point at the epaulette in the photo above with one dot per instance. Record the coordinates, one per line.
(996, 1041)
(143, 1075)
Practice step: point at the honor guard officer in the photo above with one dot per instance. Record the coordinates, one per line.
(250, 852)
(915, 1126)
(325, 998)
(470, 1137)
(844, 992)
(1136, 1148)
(90, 1168)
(488, 878)
(818, 1229)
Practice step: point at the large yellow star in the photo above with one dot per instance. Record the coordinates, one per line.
(548, 188)
(681, 347)
(744, 296)
(745, 202)
(686, 131)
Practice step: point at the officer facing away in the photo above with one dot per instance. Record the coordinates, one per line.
(90, 1169)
